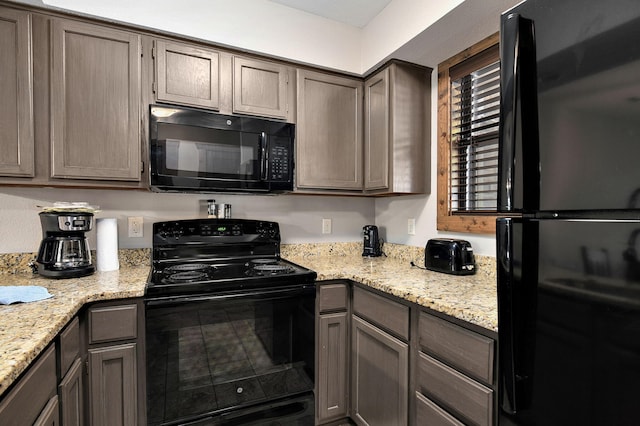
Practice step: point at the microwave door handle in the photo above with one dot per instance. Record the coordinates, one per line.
(264, 154)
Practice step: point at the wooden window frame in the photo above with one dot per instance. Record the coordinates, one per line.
(478, 223)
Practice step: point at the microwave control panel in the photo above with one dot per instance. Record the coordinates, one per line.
(280, 163)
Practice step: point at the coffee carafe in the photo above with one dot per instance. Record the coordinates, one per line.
(64, 250)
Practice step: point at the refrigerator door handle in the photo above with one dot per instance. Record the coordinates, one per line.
(518, 160)
(517, 260)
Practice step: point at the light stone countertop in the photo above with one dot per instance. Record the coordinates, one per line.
(27, 328)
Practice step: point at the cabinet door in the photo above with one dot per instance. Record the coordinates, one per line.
(16, 88)
(112, 385)
(50, 415)
(187, 75)
(71, 396)
(332, 366)
(376, 131)
(95, 102)
(260, 88)
(380, 379)
(329, 132)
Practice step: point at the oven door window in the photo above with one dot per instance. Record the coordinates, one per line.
(207, 357)
(187, 151)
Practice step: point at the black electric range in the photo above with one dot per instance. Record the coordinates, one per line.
(229, 326)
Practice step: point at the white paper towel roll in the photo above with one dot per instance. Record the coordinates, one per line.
(107, 244)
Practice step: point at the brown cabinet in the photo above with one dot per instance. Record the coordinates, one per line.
(332, 369)
(115, 364)
(262, 88)
(187, 75)
(379, 360)
(71, 389)
(329, 132)
(95, 102)
(455, 373)
(16, 94)
(33, 399)
(397, 130)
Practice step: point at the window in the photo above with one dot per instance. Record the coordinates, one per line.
(468, 118)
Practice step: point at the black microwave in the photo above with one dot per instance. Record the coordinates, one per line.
(201, 151)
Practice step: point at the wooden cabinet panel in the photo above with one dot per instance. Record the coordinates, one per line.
(332, 401)
(72, 396)
(16, 94)
(69, 345)
(376, 131)
(27, 399)
(466, 398)
(260, 88)
(385, 313)
(467, 351)
(95, 102)
(112, 323)
(329, 131)
(50, 415)
(379, 376)
(428, 413)
(187, 75)
(332, 297)
(113, 385)
(397, 126)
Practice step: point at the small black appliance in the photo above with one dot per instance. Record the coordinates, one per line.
(64, 250)
(449, 256)
(372, 244)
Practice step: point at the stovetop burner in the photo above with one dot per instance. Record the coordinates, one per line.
(207, 256)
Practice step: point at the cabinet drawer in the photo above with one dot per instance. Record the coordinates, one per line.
(69, 345)
(470, 400)
(333, 297)
(428, 413)
(112, 323)
(27, 399)
(468, 351)
(386, 313)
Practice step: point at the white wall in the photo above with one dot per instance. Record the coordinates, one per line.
(300, 216)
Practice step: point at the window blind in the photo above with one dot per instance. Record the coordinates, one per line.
(475, 116)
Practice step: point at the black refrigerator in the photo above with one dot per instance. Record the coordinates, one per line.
(568, 248)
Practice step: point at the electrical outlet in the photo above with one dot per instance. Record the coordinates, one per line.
(411, 226)
(326, 226)
(135, 226)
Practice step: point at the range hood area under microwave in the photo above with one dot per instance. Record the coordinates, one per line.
(200, 151)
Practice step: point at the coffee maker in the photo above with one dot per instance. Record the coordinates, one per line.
(64, 250)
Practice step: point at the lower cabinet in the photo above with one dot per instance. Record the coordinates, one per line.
(380, 373)
(385, 361)
(113, 384)
(33, 400)
(332, 371)
(114, 353)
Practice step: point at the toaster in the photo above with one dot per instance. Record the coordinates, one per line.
(449, 256)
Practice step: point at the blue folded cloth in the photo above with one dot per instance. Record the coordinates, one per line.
(22, 293)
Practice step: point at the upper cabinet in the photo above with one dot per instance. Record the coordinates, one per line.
(397, 130)
(261, 88)
(16, 90)
(187, 75)
(329, 132)
(95, 102)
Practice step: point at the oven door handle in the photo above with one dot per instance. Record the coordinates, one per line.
(279, 293)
